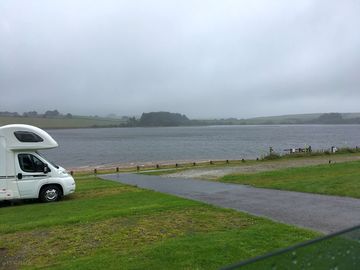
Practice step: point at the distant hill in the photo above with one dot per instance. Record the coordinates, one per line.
(314, 118)
(51, 119)
(282, 119)
(176, 119)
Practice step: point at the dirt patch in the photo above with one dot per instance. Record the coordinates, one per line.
(261, 166)
(6, 262)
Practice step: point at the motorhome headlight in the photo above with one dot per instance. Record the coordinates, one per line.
(64, 172)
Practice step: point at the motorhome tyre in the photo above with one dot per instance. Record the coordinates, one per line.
(50, 193)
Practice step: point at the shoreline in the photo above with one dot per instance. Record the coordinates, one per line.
(249, 165)
(133, 165)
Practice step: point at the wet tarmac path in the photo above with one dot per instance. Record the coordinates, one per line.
(317, 212)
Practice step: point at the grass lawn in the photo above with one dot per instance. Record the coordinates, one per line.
(341, 179)
(106, 225)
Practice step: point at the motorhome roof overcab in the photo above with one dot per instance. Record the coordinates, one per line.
(24, 173)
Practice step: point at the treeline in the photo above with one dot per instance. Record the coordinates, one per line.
(159, 119)
(153, 119)
(326, 118)
(334, 118)
(47, 114)
(176, 119)
(167, 119)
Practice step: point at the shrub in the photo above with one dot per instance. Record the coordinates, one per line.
(271, 156)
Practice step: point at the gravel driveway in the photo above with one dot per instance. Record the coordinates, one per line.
(214, 173)
(317, 212)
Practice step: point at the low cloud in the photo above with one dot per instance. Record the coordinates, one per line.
(213, 59)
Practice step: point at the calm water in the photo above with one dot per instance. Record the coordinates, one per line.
(81, 147)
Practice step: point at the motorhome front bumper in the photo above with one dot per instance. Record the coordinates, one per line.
(70, 185)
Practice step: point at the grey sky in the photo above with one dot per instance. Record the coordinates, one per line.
(202, 58)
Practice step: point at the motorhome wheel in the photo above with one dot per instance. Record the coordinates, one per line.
(50, 193)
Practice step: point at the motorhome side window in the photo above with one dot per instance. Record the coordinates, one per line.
(30, 163)
(27, 136)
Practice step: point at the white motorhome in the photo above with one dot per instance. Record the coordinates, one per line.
(24, 173)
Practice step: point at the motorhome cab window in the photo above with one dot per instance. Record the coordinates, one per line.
(30, 163)
(26, 136)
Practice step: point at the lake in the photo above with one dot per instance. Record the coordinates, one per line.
(82, 147)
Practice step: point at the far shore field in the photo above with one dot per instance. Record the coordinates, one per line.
(61, 123)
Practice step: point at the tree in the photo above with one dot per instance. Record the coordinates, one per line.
(50, 114)
(330, 118)
(163, 119)
(30, 114)
(12, 114)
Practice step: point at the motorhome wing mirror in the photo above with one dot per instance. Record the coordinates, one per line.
(19, 176)
(46, 168)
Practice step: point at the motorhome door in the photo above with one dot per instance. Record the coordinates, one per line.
(30, 171)
(3, 174)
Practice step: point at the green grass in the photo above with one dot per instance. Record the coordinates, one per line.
(169, 169)
(333, 179)
(337, 252)
(106, 225)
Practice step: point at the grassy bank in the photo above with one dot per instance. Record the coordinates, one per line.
(105, 225)
(333, 179)
(267, 164)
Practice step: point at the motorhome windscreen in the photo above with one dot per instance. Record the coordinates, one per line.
(27, 136)
(52, 163)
